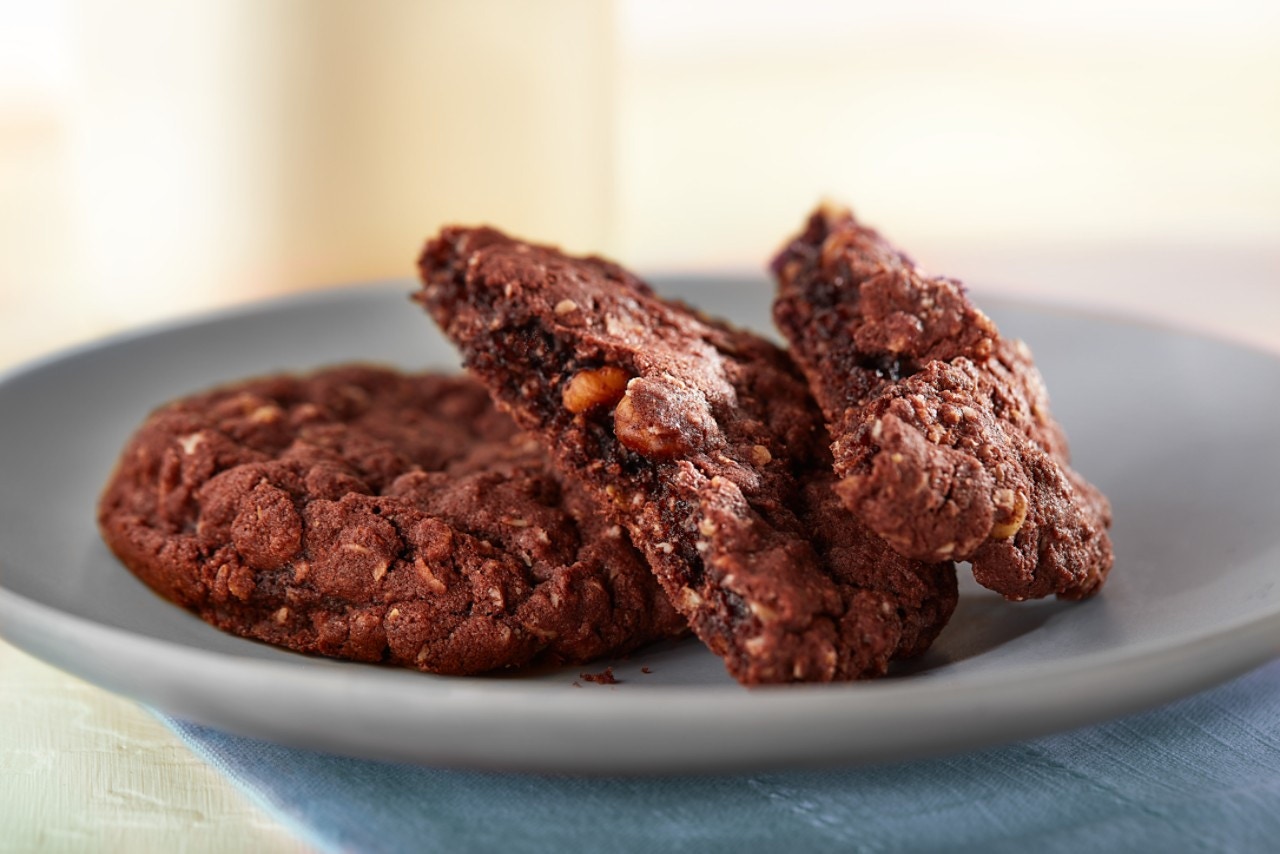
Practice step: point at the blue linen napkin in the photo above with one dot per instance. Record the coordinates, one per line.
(1201, 774)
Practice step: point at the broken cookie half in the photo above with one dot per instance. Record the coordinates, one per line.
(703, 442)
(942, 436)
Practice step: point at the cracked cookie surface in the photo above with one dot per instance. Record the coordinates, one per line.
(367, 514)
(943, 439)
(703, 442)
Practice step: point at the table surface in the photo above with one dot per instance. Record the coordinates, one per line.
(82, 769)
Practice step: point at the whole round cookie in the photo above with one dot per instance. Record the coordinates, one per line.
(371, 515)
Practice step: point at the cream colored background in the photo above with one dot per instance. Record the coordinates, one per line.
(157, 157)
(160, 158)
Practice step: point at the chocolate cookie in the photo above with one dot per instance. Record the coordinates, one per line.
(703, 442)
(943, 438)
(365, 514)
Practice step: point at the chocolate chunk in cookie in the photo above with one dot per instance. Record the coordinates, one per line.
(703, 442)
(370, 515)
(943, 438)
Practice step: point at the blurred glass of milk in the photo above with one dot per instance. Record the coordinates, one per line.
(228, 147)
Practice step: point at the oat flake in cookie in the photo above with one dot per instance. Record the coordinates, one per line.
(703, 442)
(943, 438)
(370, 515)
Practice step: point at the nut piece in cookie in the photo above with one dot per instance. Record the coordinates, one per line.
(703, 442)
(370, 515)
(943, 439)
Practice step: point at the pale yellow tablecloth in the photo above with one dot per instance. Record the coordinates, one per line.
(83, 770)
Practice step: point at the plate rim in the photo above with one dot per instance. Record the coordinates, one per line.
(1254, 640)
(1029, 695)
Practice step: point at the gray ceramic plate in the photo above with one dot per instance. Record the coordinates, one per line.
(1180, 431)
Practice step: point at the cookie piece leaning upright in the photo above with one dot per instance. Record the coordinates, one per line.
(699, 439)
(943, 438)
(366, 514)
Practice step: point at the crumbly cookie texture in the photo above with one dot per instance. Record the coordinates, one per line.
(366, 514)
(703, 442)
(943, 439)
